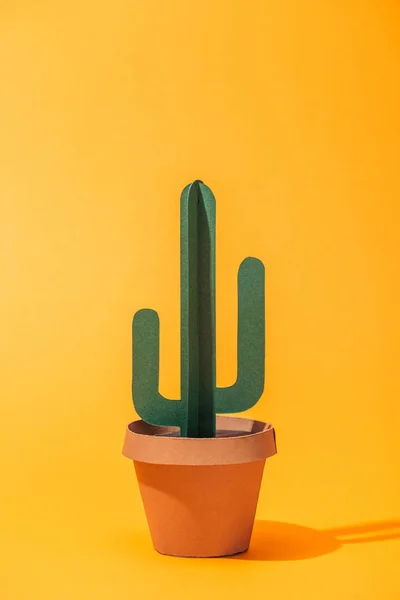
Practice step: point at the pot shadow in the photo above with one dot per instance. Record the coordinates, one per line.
(277, 541)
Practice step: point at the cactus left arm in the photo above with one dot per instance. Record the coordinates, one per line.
(149, 403)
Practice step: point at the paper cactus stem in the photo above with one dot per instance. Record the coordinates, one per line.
(198, 309)
(195, 412)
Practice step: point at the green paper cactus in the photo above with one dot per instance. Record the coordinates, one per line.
(195, 412)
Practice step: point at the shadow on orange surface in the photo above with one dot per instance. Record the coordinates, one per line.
(279, 541)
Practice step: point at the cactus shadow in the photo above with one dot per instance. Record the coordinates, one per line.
(278, 541)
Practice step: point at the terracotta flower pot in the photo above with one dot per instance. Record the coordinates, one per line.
(200, 494)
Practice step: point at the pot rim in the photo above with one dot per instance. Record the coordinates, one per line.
(238, 441)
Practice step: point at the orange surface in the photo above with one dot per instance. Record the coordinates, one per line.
(290, 112)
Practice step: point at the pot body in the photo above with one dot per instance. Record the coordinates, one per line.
(200, 494)
(200, 511)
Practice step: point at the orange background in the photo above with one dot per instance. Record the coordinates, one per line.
(290, 112)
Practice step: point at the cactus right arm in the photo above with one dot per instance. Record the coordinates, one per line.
(150, 405)
(249, 385)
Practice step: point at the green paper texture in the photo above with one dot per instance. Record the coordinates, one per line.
(195, 412)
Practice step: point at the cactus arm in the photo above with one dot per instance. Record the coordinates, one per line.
(150, 405)
(198, 309)
(249, 384)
